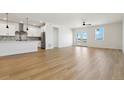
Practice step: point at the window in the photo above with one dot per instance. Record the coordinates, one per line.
(99, 34)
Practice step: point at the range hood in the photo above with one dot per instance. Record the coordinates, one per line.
(21, 35)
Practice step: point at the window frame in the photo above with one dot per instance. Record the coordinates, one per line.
(96, 35)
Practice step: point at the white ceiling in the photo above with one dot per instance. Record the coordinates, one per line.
(67, 19)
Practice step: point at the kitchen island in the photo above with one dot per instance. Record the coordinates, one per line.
(17, 47)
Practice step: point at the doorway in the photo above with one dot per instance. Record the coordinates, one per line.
(81, 39)
(55, 37)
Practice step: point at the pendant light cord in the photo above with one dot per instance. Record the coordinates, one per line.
(7, 21)
(27, 23)
(7, 18)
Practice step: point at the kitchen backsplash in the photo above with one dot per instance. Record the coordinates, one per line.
(12, 38)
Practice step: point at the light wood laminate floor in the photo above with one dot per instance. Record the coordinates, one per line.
(69, 63)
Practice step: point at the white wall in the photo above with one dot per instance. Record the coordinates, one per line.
(123, 36)
(112, 36)
(55, 37)
(64, 37)
(49, 36)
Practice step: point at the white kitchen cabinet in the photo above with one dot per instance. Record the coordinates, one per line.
(33, 31)
(8, 31)
(17, 47)
(3, 30)
(12, 28)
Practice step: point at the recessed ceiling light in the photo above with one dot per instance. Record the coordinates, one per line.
(4, 18)
(21, 22)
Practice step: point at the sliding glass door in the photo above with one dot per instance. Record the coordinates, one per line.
(81, 38)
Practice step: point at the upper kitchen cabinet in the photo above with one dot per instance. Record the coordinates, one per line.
(3, 30)
(12, 28)
(33, 31)
(8, 31)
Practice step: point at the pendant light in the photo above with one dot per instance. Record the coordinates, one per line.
(7, 26)
(27, 24)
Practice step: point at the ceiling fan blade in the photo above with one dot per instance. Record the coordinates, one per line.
(88, 24)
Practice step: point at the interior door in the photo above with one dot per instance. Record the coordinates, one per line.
(55, 37)
(81, 39)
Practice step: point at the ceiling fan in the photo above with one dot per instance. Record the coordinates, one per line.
(84, 23)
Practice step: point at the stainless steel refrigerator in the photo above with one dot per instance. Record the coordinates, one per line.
(43, 40)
